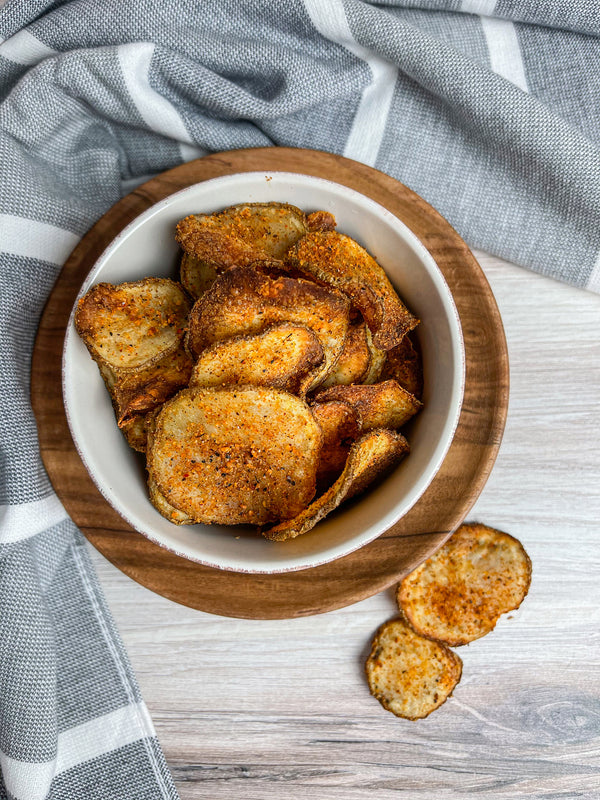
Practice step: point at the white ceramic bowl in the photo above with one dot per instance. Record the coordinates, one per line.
(147, 248)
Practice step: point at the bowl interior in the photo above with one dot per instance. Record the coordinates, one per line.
(147, 248)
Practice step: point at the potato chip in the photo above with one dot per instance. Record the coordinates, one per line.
(243, 301)
(231, 456)
(354, 360)
(410, 675)
(137, 429)
(132, 325)
(340, 425)
(134, 431)
(377, 358)
(282, 356)
(403, 364)
(336, 259)
(168, 511)
(196, 276)
(320, 221)
(381, 405)
(109, 314)
(137, 392)
(246, 234)
(370, 457)
(459, 593)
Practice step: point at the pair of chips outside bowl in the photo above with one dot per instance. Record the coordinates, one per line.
(455, 597)
(147, 247)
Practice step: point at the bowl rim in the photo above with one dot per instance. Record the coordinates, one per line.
(458, 347)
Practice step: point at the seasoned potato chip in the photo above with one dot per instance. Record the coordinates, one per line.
(381, 405)
(138, 430)
(410, 675)
(374, 454)
(230, 456)
(320, 221)
(168, 511)
(341, 426)
(282, 356)
(243, 301)
(353, 362)
(246, 234)
(134, 332)
(377, 358)
(134, 430)
(137, 392)
(133, 324)
(403, 364)
(459, 593)
(336, 259)
(196, 276)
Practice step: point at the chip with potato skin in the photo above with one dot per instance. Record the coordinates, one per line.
(133, 324)
(354, 360)
(196, 276)
(135, 432)
(409, 674)
(136, 392)
(164, 508)
(403, 364)
(245, 301)
(157, 498)
(153, 364)
(379, 405)
(338, 260)
(460, 592)
(283, 356)
(377, 358)
(246, 234)
(235, 455)
(340, 425)
(372, 455)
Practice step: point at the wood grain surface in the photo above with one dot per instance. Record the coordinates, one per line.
(279, 709)
(368, 570)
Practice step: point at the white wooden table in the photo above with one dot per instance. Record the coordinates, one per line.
(280, 709)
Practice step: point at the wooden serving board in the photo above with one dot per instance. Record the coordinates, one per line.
(377, 565)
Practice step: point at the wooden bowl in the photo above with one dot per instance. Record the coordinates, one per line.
(363, 572)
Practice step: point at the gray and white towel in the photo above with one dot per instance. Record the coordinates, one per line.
(487, 108)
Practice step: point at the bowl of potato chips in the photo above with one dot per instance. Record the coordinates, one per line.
(263, 373)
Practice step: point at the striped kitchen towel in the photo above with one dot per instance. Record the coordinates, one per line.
(487, 108)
